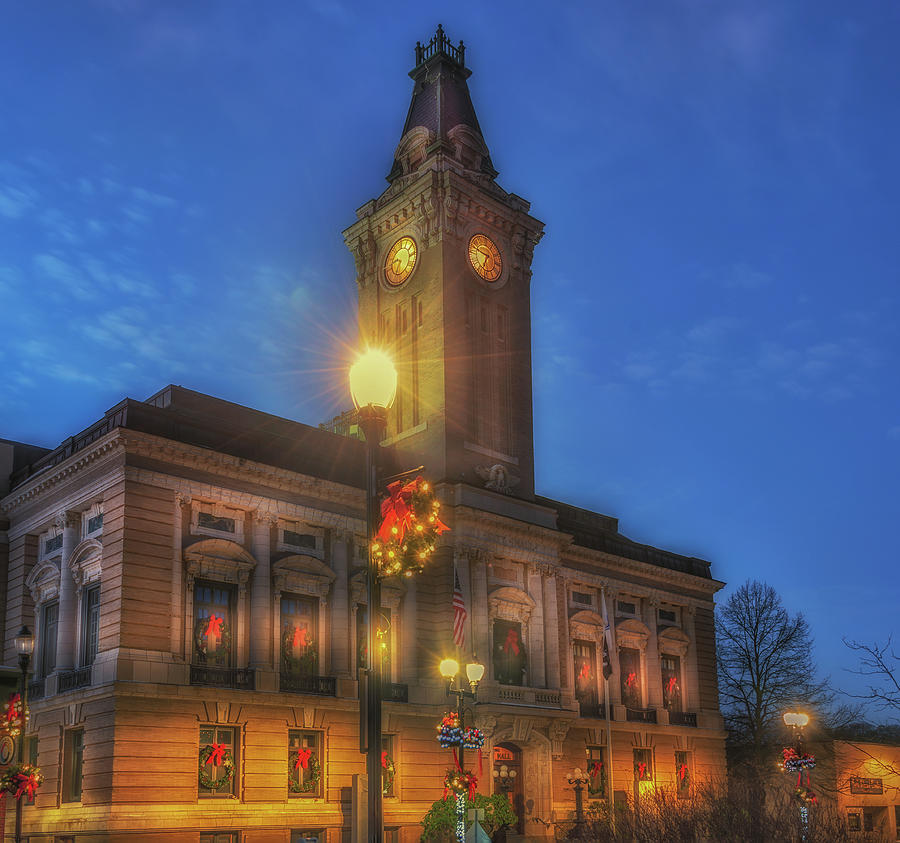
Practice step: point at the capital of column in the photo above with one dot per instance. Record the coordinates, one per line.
(67, 519)
(265, 517)
(182, 498)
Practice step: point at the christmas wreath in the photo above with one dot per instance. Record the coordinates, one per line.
(596, 780)
(21, 780)
(409, 528)
(460, 781)
(643, 771)
(684, 777)
(387, 773)
(794, 763)
(212, 627)
(13, 716)
(805, 794)
(303, 759)
(449, 732)
(215, 755)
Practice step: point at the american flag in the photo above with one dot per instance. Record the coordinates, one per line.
(459, 613)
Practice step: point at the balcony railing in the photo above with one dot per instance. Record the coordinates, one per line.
(72, 679)
(223, 677)
(641, 715)
(36, 689)
(325, 686)
(683, 718)
(394, 692)
(591, 708)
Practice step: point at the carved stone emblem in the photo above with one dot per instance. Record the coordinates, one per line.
(497, 478)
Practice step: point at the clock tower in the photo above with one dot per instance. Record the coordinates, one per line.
(443, 260)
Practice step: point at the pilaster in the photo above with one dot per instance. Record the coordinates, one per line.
(70, 522)
(537, 677)
(261, 591)
(551, 627)
(341, 554)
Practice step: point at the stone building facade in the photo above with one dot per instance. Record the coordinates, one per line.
(194, 570)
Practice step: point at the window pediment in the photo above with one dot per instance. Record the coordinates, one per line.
(586, 625)
(43, 581)
(674, 642)
(219, 559)
(509, 603)
(632, 633)
(86, 561)
(302, 574)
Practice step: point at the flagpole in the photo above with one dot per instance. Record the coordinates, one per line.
(609, 749)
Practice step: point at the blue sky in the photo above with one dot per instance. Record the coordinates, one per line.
(715, 301)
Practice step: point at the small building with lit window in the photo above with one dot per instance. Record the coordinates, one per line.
(194, 570)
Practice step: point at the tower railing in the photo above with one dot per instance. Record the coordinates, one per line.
(440, 43)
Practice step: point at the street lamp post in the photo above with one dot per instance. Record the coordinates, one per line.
(797, 720)
(474, 672)
(506, 778)
(24, 647)
(578, 780)
(373, 385)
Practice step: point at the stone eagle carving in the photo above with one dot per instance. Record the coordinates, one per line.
(497, 478)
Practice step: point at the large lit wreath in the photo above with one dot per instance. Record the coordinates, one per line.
(387, 773)
(458, 781)
(303, 759)
(215, 755)
(212, 627)
(21, 780)
(409, 528)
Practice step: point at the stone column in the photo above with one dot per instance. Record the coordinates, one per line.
(177, 632)
(551, 628)
(537, 678)
(66, 628)
(690, 694)
(651, 656)
(261, 591)
(408, 609)
(324, 633)
(479, 611)
(615, 679)
(241, 647)
(341, 553)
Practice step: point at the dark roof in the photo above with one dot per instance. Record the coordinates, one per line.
(197, 419)
(601, 532)
(23, 453)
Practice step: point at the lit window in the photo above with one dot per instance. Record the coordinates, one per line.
(585, 659)
(670, 667)
(305, 763)
(73, 757)
(213, 626)
(217, 762)
(388, 766)
(630, 667)
(90, 624)
(509, 653)
(596, 772)
(683, 774)
(643, 765)
(299, 628)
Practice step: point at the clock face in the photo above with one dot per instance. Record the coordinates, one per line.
(401, 261)
(485, 257)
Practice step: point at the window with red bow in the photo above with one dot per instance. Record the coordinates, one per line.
(585, 658)
(643, 765)
(305, 764)
(630, 670)
(683, 774)
(214, 626)
(217, 762)
(671, 681)
(596, 772)
(299, 636)
(510, 662)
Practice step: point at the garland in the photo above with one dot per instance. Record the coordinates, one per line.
(449, 732)
(409, 528)
(304, 760)
(387, 773)
(794, 763)
(21, 780)
(13, 716)
(215, 755)
(214, 626)
(472, 738)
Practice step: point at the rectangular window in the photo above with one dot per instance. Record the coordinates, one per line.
(388, 766)
(630, 666)
(623, 607)
(585, 655)
(308, 836)
(683, 774)
(295, 539)
(94, 524)
(73, 756)
(305, 765)
(90, 624)
(643, 765)
(31, 757)
(215, 522)
(49, 621)
(509, 653)
(53, 544)
(868, 820)
(218, 772)
(384, 639)
(213, 626)
(853, 821)
(596, 773)
(299, 628)
(671, 681)
(668, 616)
(583, 598)
(221, 837)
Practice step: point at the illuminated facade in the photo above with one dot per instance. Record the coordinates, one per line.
(194, 569)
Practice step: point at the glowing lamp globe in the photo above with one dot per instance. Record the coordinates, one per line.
(474, 672)
(373, 380)
(449, 668)
(24, 642)
(794, 718)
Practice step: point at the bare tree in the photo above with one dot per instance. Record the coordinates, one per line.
(882, 665)
(765, 668)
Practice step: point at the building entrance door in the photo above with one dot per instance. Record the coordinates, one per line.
(507, 776)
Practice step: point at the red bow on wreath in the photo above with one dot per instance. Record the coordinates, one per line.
(595, 769)
(630, 679)
(215, 626)
(512, 642)
(300, 636)
(585, 672)
(671, 685)
(12, 707)
(682, 772)
(217, 756)
(395, 511)
(302, 759)
(642, 770)
(25, 784)
(384, 759)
